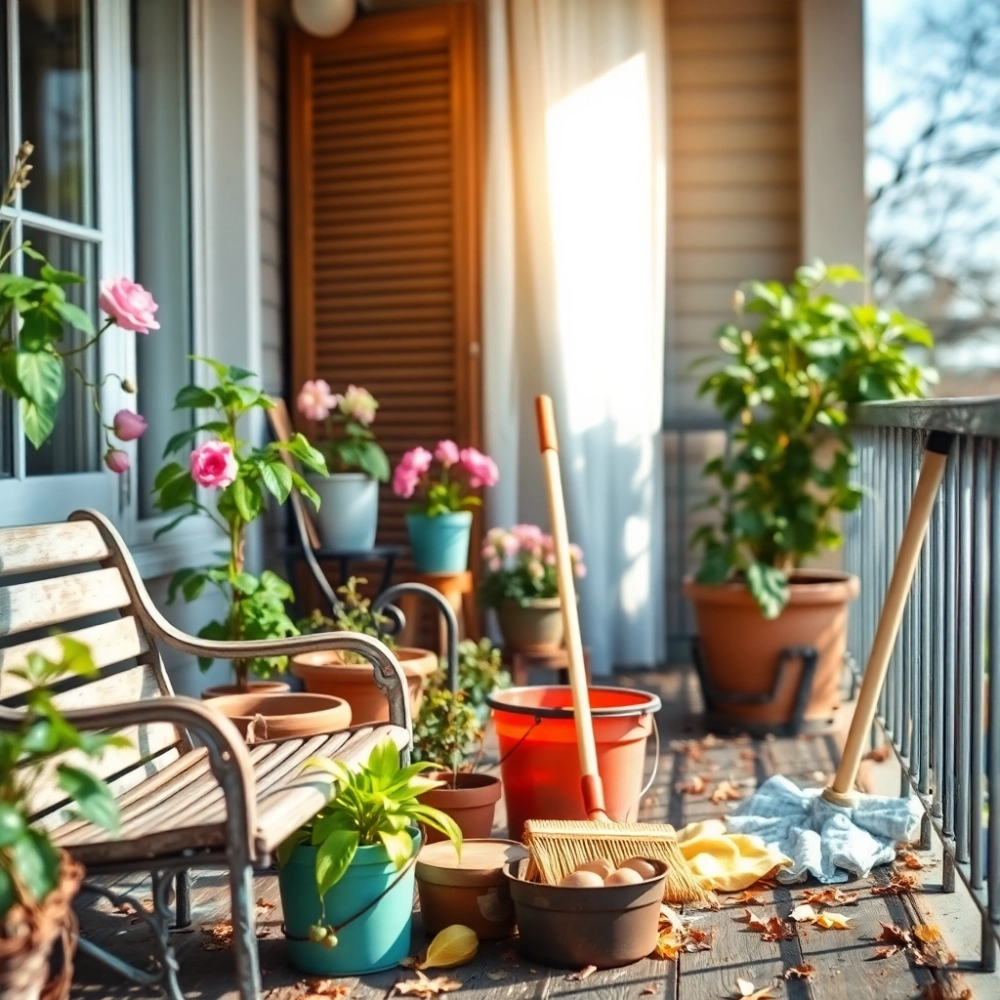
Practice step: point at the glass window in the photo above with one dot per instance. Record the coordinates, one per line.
(162, 198)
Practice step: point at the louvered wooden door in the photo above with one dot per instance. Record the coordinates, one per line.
(384, 198)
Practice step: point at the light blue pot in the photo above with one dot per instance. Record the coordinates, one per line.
(378, 939)
(440, 544)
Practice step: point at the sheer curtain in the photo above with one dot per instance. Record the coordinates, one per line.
(574, 291)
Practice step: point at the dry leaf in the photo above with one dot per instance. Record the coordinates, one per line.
(944, 991)
(692, 749)
(677, 935)
(651, 990)
(912, 861)
(898, 884)
(878, 754)
(894, 934)
(800, 972)
(832, 921)
(496, 976)
(748, 754)
(928, 933)
(802, 912)
(887, 951)
(695, 785)
(830, 896)
(725, 791)
(772, 929)
(218, 937)
(324, 989)
(426, 988)
(746, 990)
(585, 973)
(749, 898)
(263, 904)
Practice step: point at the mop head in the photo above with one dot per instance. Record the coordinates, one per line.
(822, 839)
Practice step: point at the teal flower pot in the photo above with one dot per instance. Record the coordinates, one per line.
(440, 544)
(378, 939)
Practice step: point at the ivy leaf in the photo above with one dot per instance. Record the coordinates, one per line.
(769, 587)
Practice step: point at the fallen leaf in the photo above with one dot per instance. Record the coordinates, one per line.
(894, 934)
(898, 884)
(585, 973)
(263, 904)
(928, 933)
(911, 860)
(772, 929)
(692, 749)
(878, 754)
(498, 975)
(425, 988)
(746, 990)
(324, 989)
(748, 754)
(651, 990)
(832, 921)
(676, 935)
(217, 937)
(830, 896)
(887, 951)
(800, 972)
(749, 898)
(938, 990)
(725, 791)
(695, 785)
(803, 912)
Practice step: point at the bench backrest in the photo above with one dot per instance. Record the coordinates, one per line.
(72, 578)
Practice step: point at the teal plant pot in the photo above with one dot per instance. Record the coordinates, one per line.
(440, 544)
(378, 939)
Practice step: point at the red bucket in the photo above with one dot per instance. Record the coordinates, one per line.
(540, 763)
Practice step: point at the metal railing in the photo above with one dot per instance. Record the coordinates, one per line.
(940, 707)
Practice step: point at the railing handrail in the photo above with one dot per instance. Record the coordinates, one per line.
(976, 415)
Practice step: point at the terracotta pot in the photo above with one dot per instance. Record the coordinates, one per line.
(37, 946)
(326, 673)
(537, 625)
(264, 717)
(470, 889)
(254, 687)
(471, 805)
(740, 648)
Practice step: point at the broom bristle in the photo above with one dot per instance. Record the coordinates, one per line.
(557, 847)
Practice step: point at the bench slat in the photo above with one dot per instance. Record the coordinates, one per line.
(110, 643)
(43, 603)
(50, 546)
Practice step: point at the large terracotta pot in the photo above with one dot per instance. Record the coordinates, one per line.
(264, 717)
(741, 649)
(471, 803)
(326, 673)
(535, 626)
(254, 687)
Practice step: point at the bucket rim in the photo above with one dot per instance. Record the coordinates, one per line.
(651, 706)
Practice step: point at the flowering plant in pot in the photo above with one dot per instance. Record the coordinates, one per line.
(346, 877)
(520, 584)
(447, 733)
(355, 460)
(440, 522)
(350, 676)
(38, 880)
(227, 481)
(787, 383)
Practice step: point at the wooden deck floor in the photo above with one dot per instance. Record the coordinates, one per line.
(845, 963)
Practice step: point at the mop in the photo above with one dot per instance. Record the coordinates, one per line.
(831, 832)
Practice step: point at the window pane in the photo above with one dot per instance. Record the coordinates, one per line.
(161, 129)
(57, 81)
(75, 444)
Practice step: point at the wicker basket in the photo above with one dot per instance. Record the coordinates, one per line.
(37, 944)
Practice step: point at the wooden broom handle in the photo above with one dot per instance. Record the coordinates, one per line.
(928, 483)
(591, 785)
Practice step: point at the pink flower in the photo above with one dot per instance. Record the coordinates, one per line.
(495, 565)
(575, 552)
(404, 481)
(529, 536)
(510, 545)
(214, 465)
(128, 304)
(315, 400)
(419, 460)
(481, 468)
(579, 570)
(128, 426)
(358, 404)
(116, 460)
(447, 453)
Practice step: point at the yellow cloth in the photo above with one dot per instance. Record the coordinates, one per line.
(727, 862)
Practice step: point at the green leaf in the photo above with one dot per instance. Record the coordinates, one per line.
(277, 477)
(92, 796)
(38, 422)
(76, 317)
(12, 824)
(383, 763)
(41, 376)
(287, 848)
(769, 587)
(57, 277)
(15, 286)
(333, 858)
(246, 496)
(180, 439)
(398, 845)
(194, 397)
(36, 863)
(309, 456)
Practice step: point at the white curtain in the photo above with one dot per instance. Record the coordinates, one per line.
(574, 292)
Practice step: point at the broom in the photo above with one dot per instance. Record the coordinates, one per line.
(556, 847)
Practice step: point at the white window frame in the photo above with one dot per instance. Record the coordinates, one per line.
(225, 254)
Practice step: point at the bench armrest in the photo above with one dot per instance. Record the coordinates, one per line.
(227, 753)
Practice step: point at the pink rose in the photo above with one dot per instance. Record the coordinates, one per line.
(446, 453)
(358, 404)
(116, 460)
(481, 468)
(128, 426)
(315, 400)
(214, 465)
(128, 304)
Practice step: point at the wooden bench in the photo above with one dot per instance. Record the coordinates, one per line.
(192, 794)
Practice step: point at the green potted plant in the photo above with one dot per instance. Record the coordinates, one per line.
(480, 672)
(446, 733)
(346, 878)
(349, 676)
(348, 515)
(38, 880)
(787, 384)
(520, 584)
(439, 524)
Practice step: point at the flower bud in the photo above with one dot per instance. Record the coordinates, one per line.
(128, 385)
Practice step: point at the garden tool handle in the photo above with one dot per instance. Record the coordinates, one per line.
(931, 473)
(548, 442)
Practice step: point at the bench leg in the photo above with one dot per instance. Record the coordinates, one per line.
(245, 952)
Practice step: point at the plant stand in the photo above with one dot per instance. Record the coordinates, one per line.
(521, 661)
(458, 590)
(717, 700)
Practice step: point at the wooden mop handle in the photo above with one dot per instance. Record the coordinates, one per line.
(591, 786)
(931, 473)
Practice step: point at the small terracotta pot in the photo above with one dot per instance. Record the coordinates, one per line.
(535, 626)
(471, 805)
(326, 673)
(741, 648)
(261, 718)
(469, 890)
(254, 687)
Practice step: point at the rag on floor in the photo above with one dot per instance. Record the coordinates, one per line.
(823, 839)
(727, 862)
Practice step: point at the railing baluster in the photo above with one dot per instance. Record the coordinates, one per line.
(963, 675)
(938, 613)
(979, 578)
(907, 711)
(950, 635)
(926, 631)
